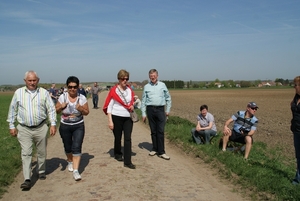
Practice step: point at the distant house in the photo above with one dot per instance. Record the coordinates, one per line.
(267, 84)
(218, 84)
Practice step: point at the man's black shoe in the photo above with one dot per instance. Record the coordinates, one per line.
(26, 184)
(42, 176)
(131, 166)
(119, 158)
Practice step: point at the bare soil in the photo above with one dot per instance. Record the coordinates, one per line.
(274, 114)
(181, 178)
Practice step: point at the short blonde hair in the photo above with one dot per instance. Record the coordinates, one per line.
(123, 73)
(297, 80)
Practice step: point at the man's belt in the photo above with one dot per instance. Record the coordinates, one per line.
(155, 106)
(35, 126)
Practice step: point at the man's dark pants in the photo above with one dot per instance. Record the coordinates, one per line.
(95, 100)
(157, 120)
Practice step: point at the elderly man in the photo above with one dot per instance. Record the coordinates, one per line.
(31, 106)
(244, 127)
(156, 103)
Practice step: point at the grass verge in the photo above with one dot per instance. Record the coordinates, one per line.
(266, 175)
(10, 150)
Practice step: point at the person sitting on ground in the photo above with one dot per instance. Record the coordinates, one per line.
(137, 102)
(244, 127)
(206, 127)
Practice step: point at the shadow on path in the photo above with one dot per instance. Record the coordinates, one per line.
(145, 145)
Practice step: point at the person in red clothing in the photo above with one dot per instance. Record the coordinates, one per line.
(117, 106)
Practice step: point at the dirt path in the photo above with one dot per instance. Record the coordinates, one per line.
(104, 178)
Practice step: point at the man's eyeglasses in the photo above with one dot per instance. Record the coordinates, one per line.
(124, 79)
(72, 87)
(296, 85)
(254, 108)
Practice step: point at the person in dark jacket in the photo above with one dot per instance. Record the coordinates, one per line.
(295, 126)
(81, 90)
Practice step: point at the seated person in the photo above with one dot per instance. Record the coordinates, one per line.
(206, 126)
(137, 102)
(244, 127)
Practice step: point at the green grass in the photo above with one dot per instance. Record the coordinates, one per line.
(266, 175)
(10, 150)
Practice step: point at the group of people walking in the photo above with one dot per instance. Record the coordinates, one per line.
(34, 109)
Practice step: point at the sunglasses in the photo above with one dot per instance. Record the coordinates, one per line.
(124, 79)
(255, 108)
(72, 87)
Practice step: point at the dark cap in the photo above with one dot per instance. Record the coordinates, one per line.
(252, 105)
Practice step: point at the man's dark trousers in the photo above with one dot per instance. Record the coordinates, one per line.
(157, 120)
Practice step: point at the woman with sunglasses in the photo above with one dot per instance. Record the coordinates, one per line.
(295, 126)
(117, 106)
(73, 107)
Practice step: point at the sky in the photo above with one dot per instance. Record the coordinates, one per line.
(196, 40)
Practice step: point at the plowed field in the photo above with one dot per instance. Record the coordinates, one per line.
(274, 112)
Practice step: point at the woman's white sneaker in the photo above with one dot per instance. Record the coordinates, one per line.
(76, 175)
(70, 166)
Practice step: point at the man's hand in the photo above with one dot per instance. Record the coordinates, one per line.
(226, 131)
(13, 132)
(144, 119)
(52, 130)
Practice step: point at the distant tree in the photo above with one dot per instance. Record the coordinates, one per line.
(286, 82)
(217, 80)
(145, 82)
(231, 83)
(195, 85)
(257, 82)
(202, 84)
(245, 84)
(188, 85)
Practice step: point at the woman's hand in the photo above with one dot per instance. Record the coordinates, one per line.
(111, 125)
(64, 105)
(131, 108)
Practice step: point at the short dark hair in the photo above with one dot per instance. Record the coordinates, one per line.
(153, 71)
(72, 79)
(202, 107)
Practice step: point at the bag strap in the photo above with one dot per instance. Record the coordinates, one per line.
(123, 98)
